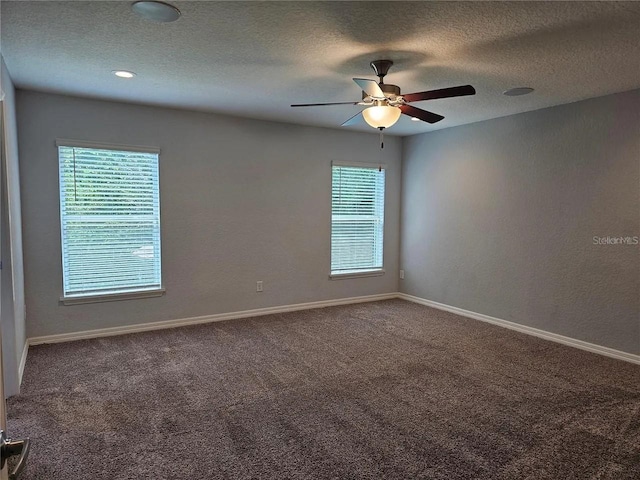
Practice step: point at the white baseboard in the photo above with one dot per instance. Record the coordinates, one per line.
(144, 327)
(23, 361)
(554, 337)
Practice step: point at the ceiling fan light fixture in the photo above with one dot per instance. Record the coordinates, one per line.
(381, 116)
(156, 11)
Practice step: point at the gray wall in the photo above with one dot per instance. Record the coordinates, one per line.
(12, 278)
(499, 217)
(241, 200)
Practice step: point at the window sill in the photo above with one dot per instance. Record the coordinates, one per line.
(112, 297)
(367, 273)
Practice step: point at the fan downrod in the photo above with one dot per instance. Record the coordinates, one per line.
(381, 68)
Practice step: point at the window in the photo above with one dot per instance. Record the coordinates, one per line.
(357, 219)
(110, 221)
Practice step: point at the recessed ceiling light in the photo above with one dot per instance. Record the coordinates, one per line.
(156, 11)
(123, 74)
(516, 92)
(415, 119)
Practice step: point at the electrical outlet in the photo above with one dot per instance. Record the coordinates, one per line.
(259, 286)
(401, 274)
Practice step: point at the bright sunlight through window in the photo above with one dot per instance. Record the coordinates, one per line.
(110, 221)
(357, 219)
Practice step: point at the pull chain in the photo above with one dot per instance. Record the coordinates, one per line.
(381, 137)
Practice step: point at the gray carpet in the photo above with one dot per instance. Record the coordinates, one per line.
(385, 390)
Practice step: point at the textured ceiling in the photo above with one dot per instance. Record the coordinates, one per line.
(254, 59)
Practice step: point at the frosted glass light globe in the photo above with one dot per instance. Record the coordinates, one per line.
(381, 116)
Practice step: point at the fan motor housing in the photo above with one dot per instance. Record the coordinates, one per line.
(390, 91)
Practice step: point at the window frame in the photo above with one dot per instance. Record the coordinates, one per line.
(113, 296)
(374, 271)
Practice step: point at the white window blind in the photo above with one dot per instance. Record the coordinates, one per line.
(357, 218)
(110, 221)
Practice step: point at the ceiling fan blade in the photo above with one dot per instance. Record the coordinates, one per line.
(423, 115)
(323, 104)
(355, 120)
(441, 93)
(370, 87)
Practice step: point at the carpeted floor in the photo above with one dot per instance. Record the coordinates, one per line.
(385, 390)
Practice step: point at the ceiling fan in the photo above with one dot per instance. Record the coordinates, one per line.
(385, 103)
